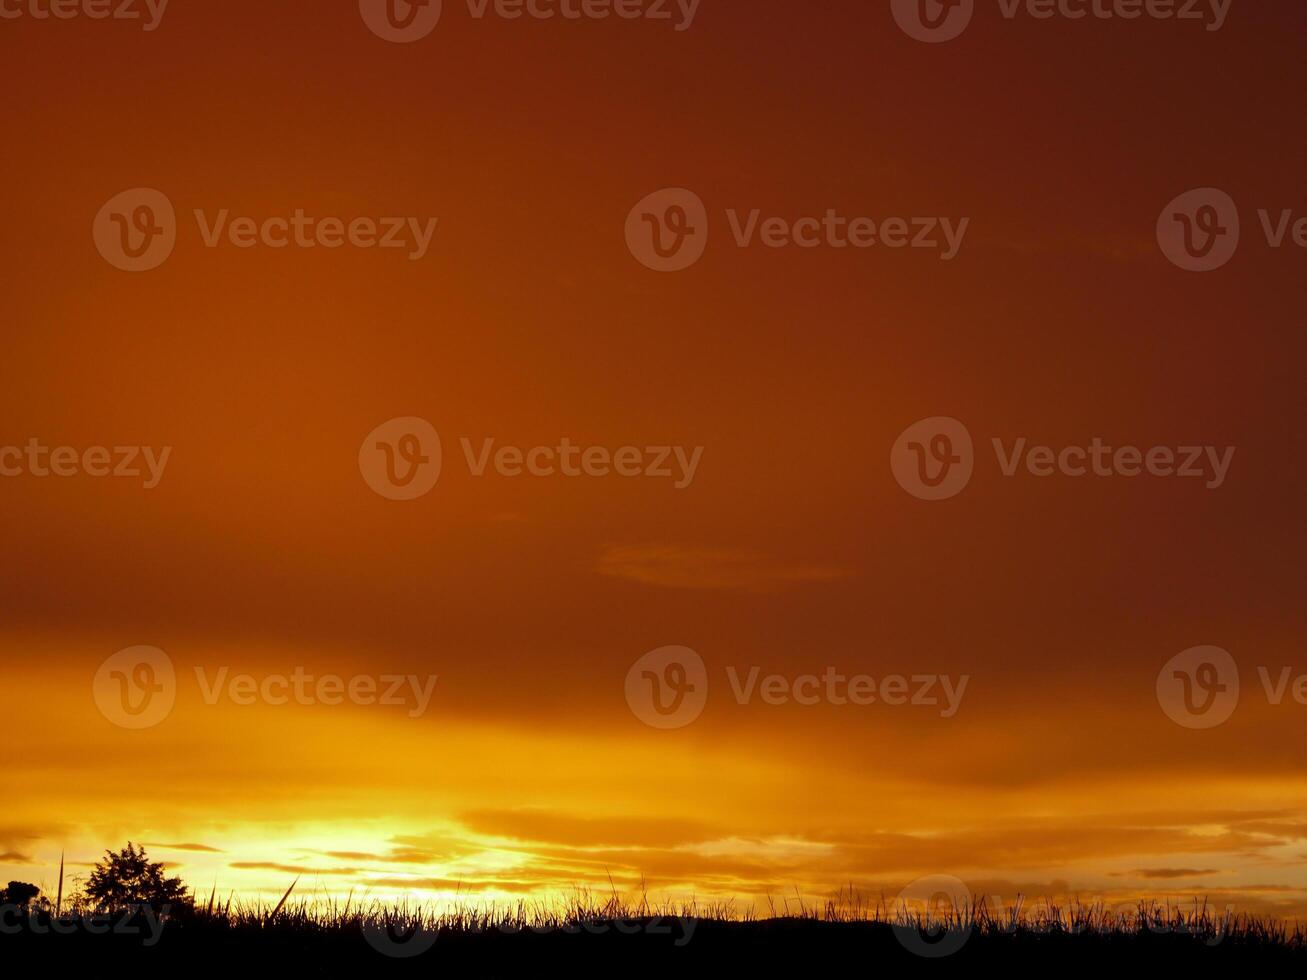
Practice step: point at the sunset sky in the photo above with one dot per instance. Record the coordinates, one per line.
(263, 549)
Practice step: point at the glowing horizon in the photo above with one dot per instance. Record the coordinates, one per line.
(756, 453)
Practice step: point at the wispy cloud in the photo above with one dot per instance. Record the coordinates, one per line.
(546, 826)
(291, 869)
(455, 884)
(397, 856)
(1159, 873)
(692, 567)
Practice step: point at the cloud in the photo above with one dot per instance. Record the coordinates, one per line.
(205, 848)
(289, 868)
(455, 884)
(546, 826)
(722, 569)
(1152, 873)
(397, 856)
(13, 857)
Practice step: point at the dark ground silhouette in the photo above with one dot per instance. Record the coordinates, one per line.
(192, 944)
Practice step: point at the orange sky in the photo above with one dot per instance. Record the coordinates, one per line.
(262, 549)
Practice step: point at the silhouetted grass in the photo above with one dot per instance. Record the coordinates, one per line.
(586, 934)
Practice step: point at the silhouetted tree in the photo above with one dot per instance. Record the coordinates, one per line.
(18, 893)
(129, 878)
